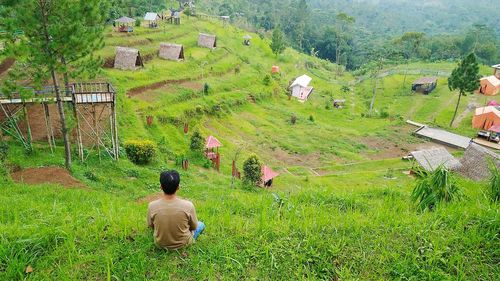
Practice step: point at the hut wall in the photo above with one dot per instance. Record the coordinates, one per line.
(488, 89)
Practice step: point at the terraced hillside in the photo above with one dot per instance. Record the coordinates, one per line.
(340, 209)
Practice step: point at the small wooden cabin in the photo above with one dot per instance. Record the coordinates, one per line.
(300, 88)
(152, 19)
(124, 24)
(127, 59)
(171, 51)
(424, 85)
(207, 41)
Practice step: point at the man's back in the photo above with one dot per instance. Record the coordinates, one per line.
(173, 221)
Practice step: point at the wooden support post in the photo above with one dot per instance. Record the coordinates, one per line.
(114, 129)
(48, 126)
(78, 130)
(28, 127)
(97, 135)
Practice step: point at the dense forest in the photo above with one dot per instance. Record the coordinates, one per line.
(354, 32)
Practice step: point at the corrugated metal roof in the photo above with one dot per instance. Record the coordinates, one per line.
(151, 16)
(445, 137)
(302, 81)
(431, 159)
(425, 80)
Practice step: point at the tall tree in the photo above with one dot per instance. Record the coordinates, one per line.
(464, 78)
(344, 24)
(60, 37)
(278, 44)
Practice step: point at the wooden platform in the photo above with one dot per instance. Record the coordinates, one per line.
(487, 144)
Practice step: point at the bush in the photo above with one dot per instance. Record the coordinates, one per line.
(311, 118)
(267, 80)
(252, 170)
(91, 176)
(434, 188)
(137, 22)
(206, 88)
(196, 142)
(4, 150)
(293, 119)
(140, 152)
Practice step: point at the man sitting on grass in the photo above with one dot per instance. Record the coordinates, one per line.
(173, 219)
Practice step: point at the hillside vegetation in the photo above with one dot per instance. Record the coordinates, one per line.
(340, 209)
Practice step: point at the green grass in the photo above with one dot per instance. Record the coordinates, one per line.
(340, 216)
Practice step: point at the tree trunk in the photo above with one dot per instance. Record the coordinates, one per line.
(456, 109)
(67, 147)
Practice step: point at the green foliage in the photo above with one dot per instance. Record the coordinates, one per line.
(91, 176)
(206, 88)
(137, 22)
(293, 119)
(311, 118)
(140, 152)
(197, 142)
(464, 78)
(435, 188)
(494, 191)
(252, 171)
(278, 44)
(4, 150)
(267, 80)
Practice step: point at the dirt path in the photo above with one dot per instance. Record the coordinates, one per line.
(471, 106)
(6, 65)
(53, 175)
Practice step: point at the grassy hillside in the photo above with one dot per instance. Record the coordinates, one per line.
(340, 209)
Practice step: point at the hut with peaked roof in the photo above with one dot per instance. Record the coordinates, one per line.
(486, 117)
(300, 88)
(430, 159)
(171, 51)
(476, 160)
(127, 59)
(212, 151)
(152, 19)
(490, 85)
(424, 85)
(125, 24)
(207, 41)
(268, 176)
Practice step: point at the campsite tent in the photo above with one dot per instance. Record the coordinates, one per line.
(207, 41)
(476, 160)
(493, 103)
(300, 88)
(431, 159)
(171, 51)
(267, 176)
(424, 85)
(486, 117)
(127, 59)
(490, 86)
(125, 24)
(152, 19)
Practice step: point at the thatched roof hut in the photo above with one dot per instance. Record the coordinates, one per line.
(431, 159)
(171, 51)
(127, 59)
(207, 41)
(476, 160)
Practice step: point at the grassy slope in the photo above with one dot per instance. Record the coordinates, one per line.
(352, 223)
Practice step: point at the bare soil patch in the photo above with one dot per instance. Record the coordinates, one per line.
(149, 198)
(142, 89)
(54, 175)
(6, 64)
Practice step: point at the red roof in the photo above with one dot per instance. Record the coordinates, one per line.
(268, 174)
(495, 129)
(212, 142)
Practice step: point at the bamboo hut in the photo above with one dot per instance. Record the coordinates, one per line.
(171, 51)
(476, 162)
(424, 85)
(207, 41)
(127, 59)
(152, 19)
(124, 24)
(300, 88)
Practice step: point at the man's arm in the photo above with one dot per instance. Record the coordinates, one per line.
(193, 220)
(149, 220)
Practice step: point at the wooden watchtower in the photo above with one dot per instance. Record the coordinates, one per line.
(212, 151)
(31, 115)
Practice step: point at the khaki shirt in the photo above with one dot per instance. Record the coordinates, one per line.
(173, 222)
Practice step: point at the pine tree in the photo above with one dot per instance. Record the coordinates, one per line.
(60, 37)
(465, 79)
(252, 172)
(278, 42)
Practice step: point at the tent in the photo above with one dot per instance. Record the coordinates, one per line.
(493, 103)
(476, 160)
(207, 41)
(152, 19)
(300, 88)
(490, 85)
(267, 176)
(127, 59)
(431, 159)
(424, 85)
(486, 117)
(125, 24)
(171, 51)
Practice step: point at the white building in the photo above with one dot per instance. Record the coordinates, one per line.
(300, 88)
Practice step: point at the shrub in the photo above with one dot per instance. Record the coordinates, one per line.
(4, 150)
(131, 173)
(293, 119)
(196, 142)
(267, 80)
(206, 88)
(140, 152)
(91, 176)
(434, 188)
(137, 22)
(311, 118)
(495, 184)
(252, 171)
